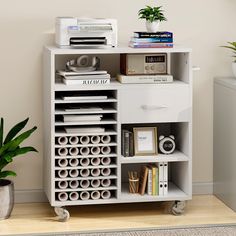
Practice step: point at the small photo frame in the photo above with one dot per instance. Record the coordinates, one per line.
(145, 141)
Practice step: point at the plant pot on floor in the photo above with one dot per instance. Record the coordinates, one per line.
(6, 198)
(152, 26)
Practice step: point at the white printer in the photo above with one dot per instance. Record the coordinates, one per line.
(85, 32)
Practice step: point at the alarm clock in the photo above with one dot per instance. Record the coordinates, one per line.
(167, 144)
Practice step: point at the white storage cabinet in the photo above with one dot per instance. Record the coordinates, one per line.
(98, 173)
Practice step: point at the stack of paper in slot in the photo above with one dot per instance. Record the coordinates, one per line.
(85, 78)
(161, 39)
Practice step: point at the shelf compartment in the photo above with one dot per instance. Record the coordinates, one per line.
(85, 189)
(104, 111)
(61, 101)
(85, 167)
(112, 155)
(174, 157)
(102, 122)
(88, 178)
(87, 145)
(62, 132)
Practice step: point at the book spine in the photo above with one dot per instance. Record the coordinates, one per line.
(151, 45)
(145, 79)
(153, 181)
(86, 81)
(131, 144)
(126, 143)
(157, 181)
(149, 182)
(152, 40)
(153, 35)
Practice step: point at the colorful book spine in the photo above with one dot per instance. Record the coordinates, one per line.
(151, 45)
(86, 81)
(149, 182)
(151, 40)
(154, 180)
(157, 181)
(160, 34)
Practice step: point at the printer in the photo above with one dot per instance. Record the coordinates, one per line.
(72, 32)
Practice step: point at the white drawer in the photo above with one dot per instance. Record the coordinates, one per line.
(146, 104)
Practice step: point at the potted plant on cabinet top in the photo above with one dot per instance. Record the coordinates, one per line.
(10, 148)
(153, 17)
(232, 46)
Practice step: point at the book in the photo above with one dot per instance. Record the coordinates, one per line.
(85, 77)
(143, 179)
(153, 180)
(150, 45)
(131, 144)
(73, 73)
(159, 34)
(151, 40)
(157, 181)
(95, 129)
(125, 143)
(149, 181)
(144, 79)
(86, 81)
(74, 118)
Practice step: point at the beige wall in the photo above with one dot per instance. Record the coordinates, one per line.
(25, 27)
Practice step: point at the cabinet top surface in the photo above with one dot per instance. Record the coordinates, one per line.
(116, 50)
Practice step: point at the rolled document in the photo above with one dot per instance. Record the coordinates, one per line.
(73, 140)
(106, 139)
(84, 172)
(105, 194)
(62, 140)
(74, 162)
(73, 173)
(62, 184)
(84, 139)
(62, 196)
(84, 161)
(84, 183)
(95, 150)
(74, 184)
(73, 196)
(95, 195)
(84, 195)
(62, 173)
(95, 139)
(106, 171)
(95, 172)
(106, 161)
(62, 162)
(105, 182)
(73, 151)
(95, 161)
(95, 183)
(84, 151)
(105, 150)
(62, 151)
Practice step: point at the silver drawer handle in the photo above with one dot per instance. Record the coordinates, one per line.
(152, 107)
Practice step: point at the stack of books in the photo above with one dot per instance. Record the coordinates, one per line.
(161, 39)
(85, 78)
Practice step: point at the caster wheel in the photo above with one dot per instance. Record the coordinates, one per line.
(62, 213)
(178, 208)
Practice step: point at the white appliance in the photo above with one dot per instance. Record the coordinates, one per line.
(85, 32)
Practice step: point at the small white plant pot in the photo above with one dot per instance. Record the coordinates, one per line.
(152, 26)
(234, 68)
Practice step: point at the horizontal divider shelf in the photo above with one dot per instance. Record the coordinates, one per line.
(87, 178)
(85, 189)
(88, 156)
(85, 167)
(174, 157)
(63, 133)
(60, 101)
(102, 122)
(86, 145)
(104, 111)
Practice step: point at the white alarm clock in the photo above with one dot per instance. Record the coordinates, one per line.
(167, 144)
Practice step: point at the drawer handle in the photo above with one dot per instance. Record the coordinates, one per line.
(152, 107)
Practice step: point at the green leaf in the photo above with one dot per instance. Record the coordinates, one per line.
(15, 130)
(4, 174)
(13, 144)
(1, 132)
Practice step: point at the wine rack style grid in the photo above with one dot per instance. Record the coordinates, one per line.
(86, 163)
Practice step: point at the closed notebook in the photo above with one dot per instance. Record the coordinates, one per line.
(143, 179)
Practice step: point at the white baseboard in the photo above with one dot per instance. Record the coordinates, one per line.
(37, 195)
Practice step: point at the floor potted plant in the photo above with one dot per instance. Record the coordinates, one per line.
(10, 148)
(153, 17)
(232, 46)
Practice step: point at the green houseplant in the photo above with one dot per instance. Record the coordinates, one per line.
(10, 148)
(153, 16)
(232, 47)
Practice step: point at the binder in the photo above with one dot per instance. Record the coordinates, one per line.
(165, 188)
(161, 188)
(161, 171)
(165, 171)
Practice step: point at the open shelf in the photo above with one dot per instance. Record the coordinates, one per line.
(102, 122)
(87, 178)
(87, 145)
(61, 101)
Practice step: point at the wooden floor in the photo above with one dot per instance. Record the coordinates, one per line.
(40, 218)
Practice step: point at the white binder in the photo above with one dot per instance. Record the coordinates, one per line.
(165, 171)
(161, 188)
(165, 187)
(161, 171)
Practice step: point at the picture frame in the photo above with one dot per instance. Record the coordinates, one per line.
(145, 141)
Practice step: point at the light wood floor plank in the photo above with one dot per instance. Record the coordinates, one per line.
(40, 217)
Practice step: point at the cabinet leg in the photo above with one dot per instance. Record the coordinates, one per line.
(62, 213)
(178, 208)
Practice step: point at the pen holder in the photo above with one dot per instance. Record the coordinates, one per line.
(133, 185)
